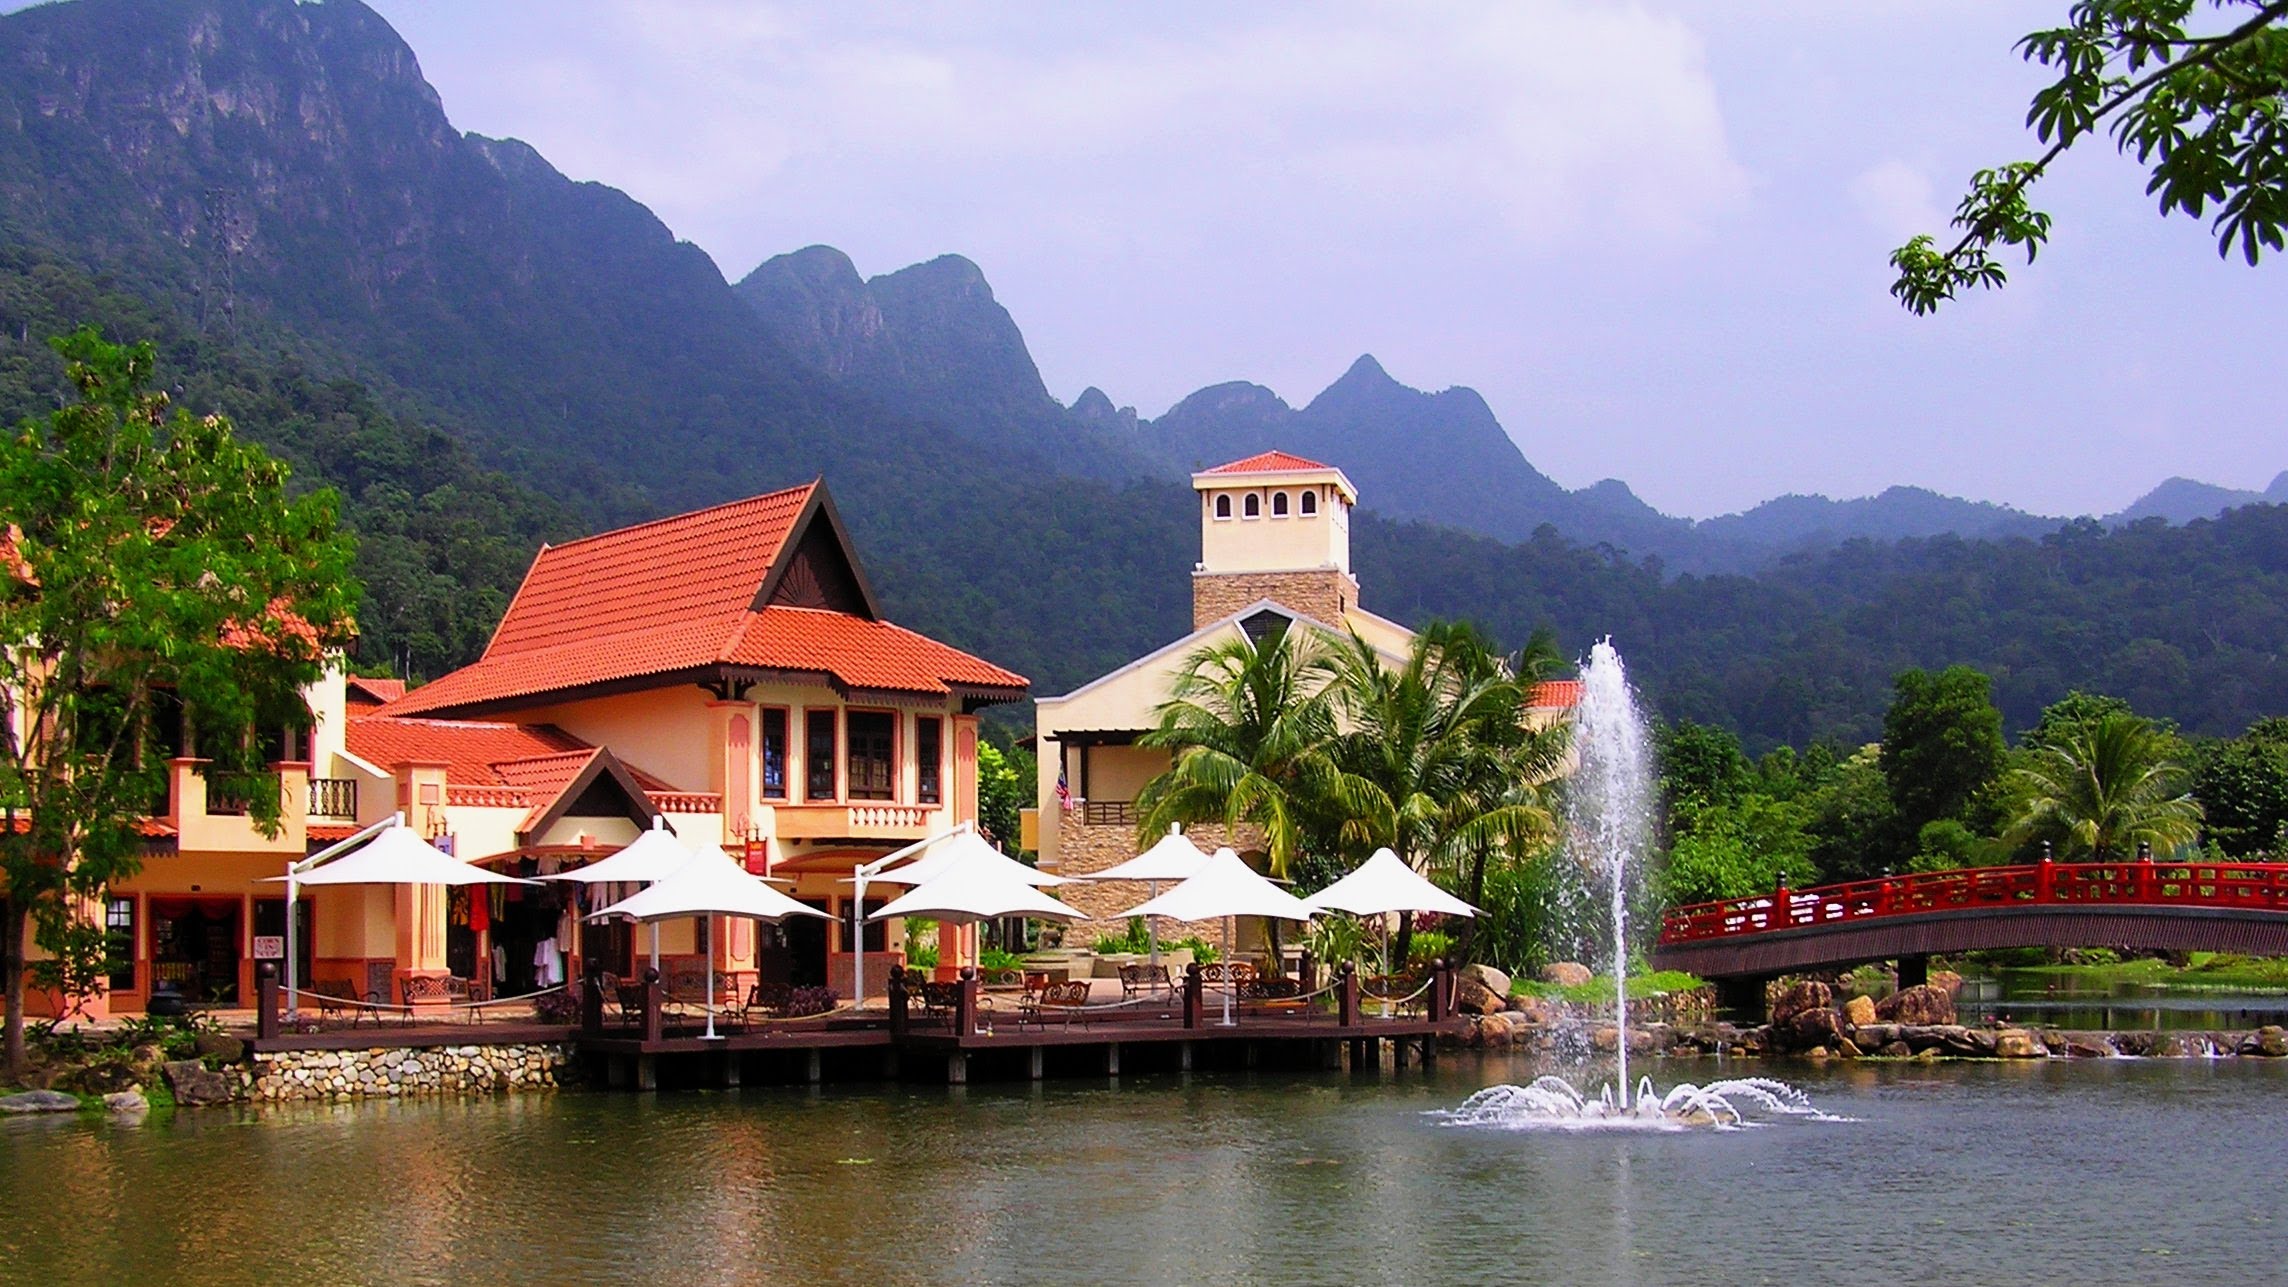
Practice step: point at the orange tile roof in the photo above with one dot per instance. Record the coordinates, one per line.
(469, 749)
(380, 690)
(1267, 462)
(678, 595)
(331, 830)
(1555, 694)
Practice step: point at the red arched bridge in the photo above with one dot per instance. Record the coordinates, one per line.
(2138, 903)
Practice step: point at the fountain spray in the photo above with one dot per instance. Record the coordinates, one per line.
(1609, 809)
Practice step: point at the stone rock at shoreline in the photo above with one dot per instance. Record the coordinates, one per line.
(1859, 1012)
(104, 1079)
(222, 1046)
(2134, 1043)
(2270, 1041)
(1946, 981)
(39, 1101)
(1872, 1035)
(127, 1103)
(2083, 1045)
(1895, 1050)
(1809, 1028)
(1923, 1004)
(195, 1084)
(1533, 1009)
(1807, 995)
(2018, 1043)
(1473, 997)
(1847, 1048)
(1486, 976)
(1566, 974)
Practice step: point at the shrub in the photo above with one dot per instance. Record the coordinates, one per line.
(1202, 951)
(993, 958)
(921, 958)
(561, 1006)
(1428, 946)
(811, 1000)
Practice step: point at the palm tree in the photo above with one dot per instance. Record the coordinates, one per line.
(1437, 761)
(2103, 787)
(1250, 725)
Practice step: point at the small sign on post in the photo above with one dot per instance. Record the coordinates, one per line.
(269, 947)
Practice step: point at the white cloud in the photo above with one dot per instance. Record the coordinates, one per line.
(1895, 199)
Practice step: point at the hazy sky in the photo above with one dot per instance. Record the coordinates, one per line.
(1652, 235)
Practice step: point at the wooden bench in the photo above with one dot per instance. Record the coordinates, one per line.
(1271, 996)
(337, 997)
(1066, 1001)
(764, 1000)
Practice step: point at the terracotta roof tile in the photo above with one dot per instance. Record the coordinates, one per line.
(1555, 694)
(1268, 462)
(469, 749)
(378, 690)
(678, 595)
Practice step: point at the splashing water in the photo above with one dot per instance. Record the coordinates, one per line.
(1552, 1103)
(1609, 821)
(1610, 809)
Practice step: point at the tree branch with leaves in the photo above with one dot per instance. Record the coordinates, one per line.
(2206, 113)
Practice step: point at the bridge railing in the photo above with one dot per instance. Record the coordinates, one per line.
(2225, 885)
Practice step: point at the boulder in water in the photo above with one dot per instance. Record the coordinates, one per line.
(1473, 997)
(2018, 1043)
(1809, 1028)
(39, 1101)
(2134, 1043)
(1922, 1004)
(1486, 976)
(196, 1084)
(1859, 1012)
(127, 1103)
(1807, 995)
(2270, 1041)
(1566, 974)
(1895, 1050)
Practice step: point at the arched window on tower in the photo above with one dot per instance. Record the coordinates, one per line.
(1310, 504)
(1223, 506)
(1252, 507)
(1278, 504)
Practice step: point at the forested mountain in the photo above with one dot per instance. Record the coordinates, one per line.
(482, 354)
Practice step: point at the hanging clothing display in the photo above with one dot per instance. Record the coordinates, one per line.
(547, 972)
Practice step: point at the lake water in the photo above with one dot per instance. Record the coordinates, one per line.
(2045, 999)
(2098, 1171)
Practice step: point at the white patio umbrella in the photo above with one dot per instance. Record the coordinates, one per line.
(964, 847)
(1384, 884)
(655, 855)
(975, 890)
(395, 855)
(712, 883)
(1172, 857)
(1229, 888)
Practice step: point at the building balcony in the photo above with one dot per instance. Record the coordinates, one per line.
(334, 798)
(856, 820)
(213, 813)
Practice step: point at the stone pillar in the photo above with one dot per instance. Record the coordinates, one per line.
(421, 908)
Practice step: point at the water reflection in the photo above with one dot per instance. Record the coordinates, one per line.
(1993, 1168)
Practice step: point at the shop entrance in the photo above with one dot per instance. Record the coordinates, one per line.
(194, 948)
(805, 940)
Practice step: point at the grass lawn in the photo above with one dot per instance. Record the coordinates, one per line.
(1641, 987)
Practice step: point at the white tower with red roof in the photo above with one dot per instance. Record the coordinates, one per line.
(1274, 526)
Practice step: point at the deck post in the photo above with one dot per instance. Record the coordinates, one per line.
(1192, 995)
(898, 1005)
(1184, 1056)
(965, 1002)
(1429, 1050)
(814, 1066)
(1330, 1055)
(1346, 995)
(1111, 1058)
(1036, 1065)
(730, 1070)
(1307, 972)
(592, 999)
(647, 1073)
(2045, 880)
(266, 997)
(653, 1021)
(957, 1068)
(1441, 990)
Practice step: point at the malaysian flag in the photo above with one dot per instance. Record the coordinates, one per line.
(1064, 792)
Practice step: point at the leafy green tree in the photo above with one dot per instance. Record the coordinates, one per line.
(1005, 780)
(1739, 848)
(2072, 711)
(1438, 762)
(1853, 822)
(1251, 730)
(2201, 107)
(2242, 784)
(1942, 745)
(2106, 787)
(1701, 764)
(153, 563)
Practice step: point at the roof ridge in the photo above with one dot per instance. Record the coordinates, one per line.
(677, 518)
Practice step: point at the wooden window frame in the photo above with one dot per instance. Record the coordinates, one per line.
(786, 752)
(833, 754)
(849, 746)
(926, 792)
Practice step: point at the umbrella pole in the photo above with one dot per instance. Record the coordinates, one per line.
(711, 980)
(1231, 958)
(655, 946)
(1152, 928)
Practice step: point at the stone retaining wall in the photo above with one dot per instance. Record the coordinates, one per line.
(392, 1072)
